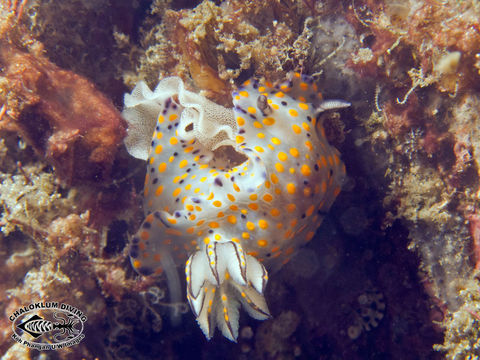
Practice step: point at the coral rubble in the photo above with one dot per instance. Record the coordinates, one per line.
(59, 190)
(422, 55)
(216, 44)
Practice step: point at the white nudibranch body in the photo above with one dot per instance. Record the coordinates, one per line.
(235, 191)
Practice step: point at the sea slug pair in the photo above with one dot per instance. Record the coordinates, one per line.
(229, 193)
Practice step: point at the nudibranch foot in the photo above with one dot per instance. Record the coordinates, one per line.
(219, 279)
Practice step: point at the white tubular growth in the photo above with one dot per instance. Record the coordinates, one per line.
(332, 104)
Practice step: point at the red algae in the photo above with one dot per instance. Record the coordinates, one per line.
(59, 113)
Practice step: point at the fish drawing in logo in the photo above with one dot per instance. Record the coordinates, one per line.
(36, 326)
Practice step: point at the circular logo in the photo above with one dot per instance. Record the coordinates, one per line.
(48, 325)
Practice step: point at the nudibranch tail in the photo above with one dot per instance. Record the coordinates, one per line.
(149, 256)
(236, 191)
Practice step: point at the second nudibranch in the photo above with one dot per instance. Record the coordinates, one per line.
(232, 192)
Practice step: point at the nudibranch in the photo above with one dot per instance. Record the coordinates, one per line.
(231, 191)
